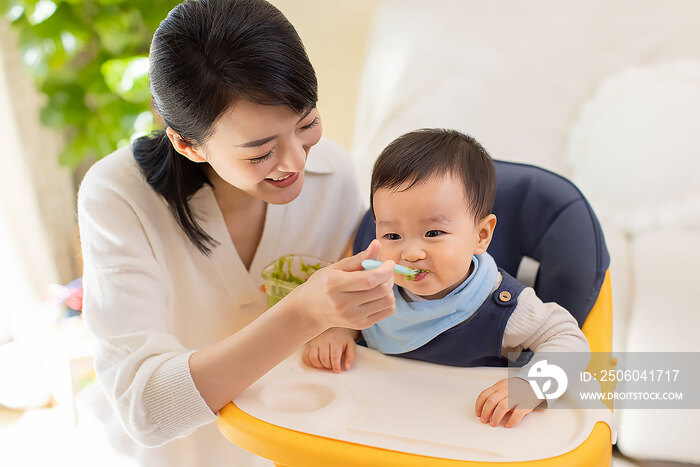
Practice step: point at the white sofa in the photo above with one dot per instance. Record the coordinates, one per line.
(605, 93)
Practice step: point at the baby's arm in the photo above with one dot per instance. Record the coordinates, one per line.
(328, 349)
(540, 327)
(547, 328)
(543, 327)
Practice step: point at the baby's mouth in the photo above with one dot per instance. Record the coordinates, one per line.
(420, 275)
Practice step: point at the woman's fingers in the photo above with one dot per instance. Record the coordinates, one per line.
(382, 291)
(372, 250)
(359, 281)
(347, 295)
(363, 296)
(373, 305)
(377, 315)
(354, 263)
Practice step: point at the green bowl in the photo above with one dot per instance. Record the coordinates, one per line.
(287, 272)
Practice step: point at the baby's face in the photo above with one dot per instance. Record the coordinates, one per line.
(428, 227)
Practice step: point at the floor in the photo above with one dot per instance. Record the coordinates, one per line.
(43, 437)
(621, 461)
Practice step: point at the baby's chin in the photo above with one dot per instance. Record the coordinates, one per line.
(428, 289)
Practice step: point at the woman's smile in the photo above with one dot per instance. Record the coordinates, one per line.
(284, 181)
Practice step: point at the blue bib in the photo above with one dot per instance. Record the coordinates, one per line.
(414, 324)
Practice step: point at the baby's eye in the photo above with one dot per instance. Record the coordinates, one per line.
(392, 236)
(433, 233)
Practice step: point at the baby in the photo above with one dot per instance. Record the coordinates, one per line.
(432, 193)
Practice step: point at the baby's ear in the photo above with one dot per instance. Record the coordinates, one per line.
(484, 229)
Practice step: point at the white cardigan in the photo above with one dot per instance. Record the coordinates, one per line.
(151, 297)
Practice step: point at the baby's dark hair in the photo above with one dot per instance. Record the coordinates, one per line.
(428, 152)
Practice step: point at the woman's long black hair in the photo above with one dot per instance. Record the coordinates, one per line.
(206, 55)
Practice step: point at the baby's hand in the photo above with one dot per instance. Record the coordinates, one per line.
(512, 395)
(328, 348)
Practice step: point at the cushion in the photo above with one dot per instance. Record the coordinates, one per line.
(634, 149)
(664, 319)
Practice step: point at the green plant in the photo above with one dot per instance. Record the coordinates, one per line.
(90, 59)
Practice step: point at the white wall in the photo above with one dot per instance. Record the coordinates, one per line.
(334, 33)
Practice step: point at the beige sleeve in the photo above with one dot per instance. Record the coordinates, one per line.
(542, 327)
(142, 368)
(550, 331)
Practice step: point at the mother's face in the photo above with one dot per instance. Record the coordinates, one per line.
(262, 149)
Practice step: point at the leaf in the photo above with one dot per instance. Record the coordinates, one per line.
(127, 77)
(547, 384)
(65, 105)
(121, 30)
(89, 58)
(75, 151)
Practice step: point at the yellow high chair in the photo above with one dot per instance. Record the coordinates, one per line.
(548, 237)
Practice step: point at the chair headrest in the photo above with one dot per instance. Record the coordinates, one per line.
(543, 216)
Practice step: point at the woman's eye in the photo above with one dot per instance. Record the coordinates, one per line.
(313, 123)
(433, 233)
(263, 158)
(392, 236)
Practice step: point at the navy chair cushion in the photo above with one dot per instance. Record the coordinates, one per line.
(544, 216)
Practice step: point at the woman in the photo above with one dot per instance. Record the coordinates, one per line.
(176, 229)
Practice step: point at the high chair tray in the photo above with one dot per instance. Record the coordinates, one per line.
(409, 406)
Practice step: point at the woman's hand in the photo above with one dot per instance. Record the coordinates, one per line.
(328, 349)
(512, 396)
(344, 295)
